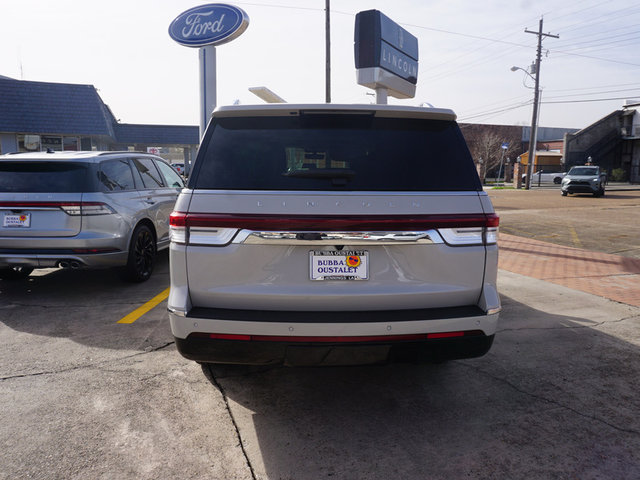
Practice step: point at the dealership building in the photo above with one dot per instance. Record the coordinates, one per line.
(41, 116)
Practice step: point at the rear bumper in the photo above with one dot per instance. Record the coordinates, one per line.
(207, 350)
(52, 259)
(332, 338)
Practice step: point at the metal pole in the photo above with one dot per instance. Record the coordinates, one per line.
(208, 97)
(500, 169)
(328, 51)
(381, 95)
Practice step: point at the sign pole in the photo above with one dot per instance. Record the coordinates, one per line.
(208, 100)
(381, 95)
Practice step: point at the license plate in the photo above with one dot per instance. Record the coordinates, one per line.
(22, 220)
(339, 265)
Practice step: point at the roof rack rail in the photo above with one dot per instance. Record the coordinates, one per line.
(122, 151)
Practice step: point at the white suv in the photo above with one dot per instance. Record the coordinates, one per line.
(333, 234)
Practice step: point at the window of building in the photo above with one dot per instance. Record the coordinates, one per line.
(51, 142)
(70, 143)
(28, 143)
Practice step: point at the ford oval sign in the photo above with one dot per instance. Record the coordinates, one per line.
(212, 24)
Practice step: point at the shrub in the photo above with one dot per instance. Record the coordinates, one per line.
(618, 175)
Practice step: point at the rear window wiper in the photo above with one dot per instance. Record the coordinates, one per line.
(321, 173)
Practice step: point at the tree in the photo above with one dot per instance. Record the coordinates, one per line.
(486, 149)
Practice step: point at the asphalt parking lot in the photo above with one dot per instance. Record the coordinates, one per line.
(86, 396)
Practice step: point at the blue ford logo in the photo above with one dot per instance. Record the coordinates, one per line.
(212, 24)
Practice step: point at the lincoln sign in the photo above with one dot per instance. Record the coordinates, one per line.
(386, 54)
(212, 24)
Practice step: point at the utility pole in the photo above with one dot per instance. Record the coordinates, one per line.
(533, 140)
(328, 51)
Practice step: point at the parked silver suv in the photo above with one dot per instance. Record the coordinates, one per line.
(84, 209)
(584, 179)
(333, 234)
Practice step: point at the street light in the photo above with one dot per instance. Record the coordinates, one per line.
(533, 140)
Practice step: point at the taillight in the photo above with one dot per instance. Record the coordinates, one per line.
(185, 229)
(486, 233)
(70, 208)
(219, 229)
(86, 208)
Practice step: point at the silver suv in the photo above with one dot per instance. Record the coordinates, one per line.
(84, 209)
(584, 179)
(333, 234)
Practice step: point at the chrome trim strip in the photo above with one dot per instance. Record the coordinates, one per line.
(175, 311)
(332, 193)
(249, 237)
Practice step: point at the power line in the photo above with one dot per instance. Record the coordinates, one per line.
(590, 100)
(596, 58)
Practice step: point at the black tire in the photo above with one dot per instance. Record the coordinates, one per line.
(15, 273)
(564, 194)
(142, 255)
(557, 180)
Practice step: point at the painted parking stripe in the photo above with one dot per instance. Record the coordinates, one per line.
(574, 237)
(138, 312)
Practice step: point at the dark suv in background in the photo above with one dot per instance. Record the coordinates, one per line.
(84, 209)
(333, 234)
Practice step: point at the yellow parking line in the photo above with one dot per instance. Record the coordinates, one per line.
(138, 312)
(574, 237)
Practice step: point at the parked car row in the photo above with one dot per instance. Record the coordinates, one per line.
(308, 234)
(84, 209)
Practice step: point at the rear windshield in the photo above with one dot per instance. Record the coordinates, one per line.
(41, 177)
(334, 152)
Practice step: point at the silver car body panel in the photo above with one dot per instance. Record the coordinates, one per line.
(269, 270)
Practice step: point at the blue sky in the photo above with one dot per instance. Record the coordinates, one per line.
(466, 51)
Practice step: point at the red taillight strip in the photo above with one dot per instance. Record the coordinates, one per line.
(47, 204)
(333, 222)
(355, 339)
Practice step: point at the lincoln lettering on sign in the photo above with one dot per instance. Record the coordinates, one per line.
(402, 65)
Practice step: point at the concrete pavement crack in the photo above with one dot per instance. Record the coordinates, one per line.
(549, 401)
(87, 365)
(206, 368)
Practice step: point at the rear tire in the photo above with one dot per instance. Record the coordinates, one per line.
(15, 273)
(142, 255)
(564, 194)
